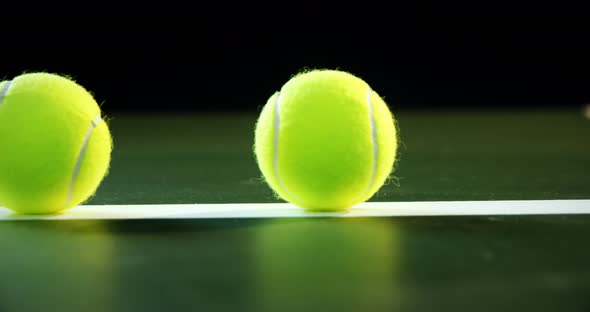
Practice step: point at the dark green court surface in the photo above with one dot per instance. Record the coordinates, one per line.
(208, 158)
(459, 263)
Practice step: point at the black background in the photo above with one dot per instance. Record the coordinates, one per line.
(236, 61)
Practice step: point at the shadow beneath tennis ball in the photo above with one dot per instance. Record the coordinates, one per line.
(25, 216)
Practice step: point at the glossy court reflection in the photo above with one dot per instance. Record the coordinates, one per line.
(427, 263)
(61, 266)
(327, 264)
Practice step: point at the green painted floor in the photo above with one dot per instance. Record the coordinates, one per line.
(482, 155)
(485, 263)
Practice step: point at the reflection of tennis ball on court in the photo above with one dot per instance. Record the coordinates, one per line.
(338, 264)
(326, 141)
(54, 147)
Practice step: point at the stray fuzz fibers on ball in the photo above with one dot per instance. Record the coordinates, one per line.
(326, 141)
(55, 149)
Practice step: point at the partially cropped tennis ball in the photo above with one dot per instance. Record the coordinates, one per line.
(326, 141)
(55, 149)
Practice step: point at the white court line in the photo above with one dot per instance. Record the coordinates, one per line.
(265, 210)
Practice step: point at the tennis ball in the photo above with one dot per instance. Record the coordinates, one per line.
(54, 147)
(326, 141)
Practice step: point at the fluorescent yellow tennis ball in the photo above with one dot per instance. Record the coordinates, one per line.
(326, 141)
(54, 147)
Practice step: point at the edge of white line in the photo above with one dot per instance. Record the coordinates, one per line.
(283, 210)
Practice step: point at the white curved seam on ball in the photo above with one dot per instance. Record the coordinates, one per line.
(375, 145)
(277, 125)
(81, 154)
(4, 91)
